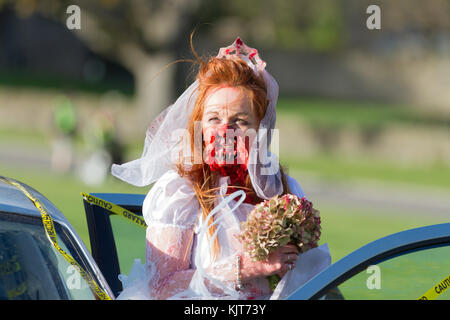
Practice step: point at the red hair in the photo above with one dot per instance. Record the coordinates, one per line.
(214, 73)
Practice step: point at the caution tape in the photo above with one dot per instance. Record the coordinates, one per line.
(115, 209)
(49, 227)
(437, 290)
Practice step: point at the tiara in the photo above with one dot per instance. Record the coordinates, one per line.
(241, 50)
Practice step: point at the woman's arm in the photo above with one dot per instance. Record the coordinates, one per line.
(168, 251)
(168, 254)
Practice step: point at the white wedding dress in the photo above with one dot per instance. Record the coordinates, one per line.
(179, 265)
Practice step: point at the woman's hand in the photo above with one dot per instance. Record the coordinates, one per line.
(278, 262)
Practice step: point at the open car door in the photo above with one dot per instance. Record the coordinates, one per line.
(115, 241)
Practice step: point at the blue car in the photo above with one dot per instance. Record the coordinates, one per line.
(412, 264)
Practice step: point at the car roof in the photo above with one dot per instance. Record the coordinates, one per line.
(13, 200)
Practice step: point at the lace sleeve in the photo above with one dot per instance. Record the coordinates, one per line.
(170, 211)
(223, 274)
(168, 252)
(171, 201)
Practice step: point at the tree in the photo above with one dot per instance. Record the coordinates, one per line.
(145, 36)
(141, 35)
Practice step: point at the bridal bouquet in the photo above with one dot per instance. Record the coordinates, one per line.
(279, 221)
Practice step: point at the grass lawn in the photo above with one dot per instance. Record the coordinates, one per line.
(333, 167)
(332, 113)
(404, 277)
(65, 192)
(344, 229)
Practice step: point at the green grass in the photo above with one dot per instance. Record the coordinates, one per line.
(347, 229)
(353, 113)
(65, 192)
(333, 167)
(344, 229)
(405, 277)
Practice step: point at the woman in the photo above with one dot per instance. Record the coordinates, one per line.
(194, 209)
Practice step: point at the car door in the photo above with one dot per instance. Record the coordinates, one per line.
(402, 266)
(115, 242)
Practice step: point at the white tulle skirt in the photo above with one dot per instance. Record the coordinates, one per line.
(308, 265)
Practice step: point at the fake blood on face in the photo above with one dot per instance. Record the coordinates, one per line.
(228, 155)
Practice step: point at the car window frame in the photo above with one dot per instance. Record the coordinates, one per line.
(377, 251)
(69, 242)
(104, 249)
(101, 235)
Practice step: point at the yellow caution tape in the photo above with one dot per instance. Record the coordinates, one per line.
(437, 290)
(113, 208)
(51, 234)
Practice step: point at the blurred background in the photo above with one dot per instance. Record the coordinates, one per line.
(364, 115)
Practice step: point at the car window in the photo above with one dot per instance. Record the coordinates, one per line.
(31, 268)
(130, 242)
(404, 277)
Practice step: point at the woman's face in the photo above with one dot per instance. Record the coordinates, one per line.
(227, 108)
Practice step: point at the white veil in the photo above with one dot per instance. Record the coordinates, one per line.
(161, 144)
